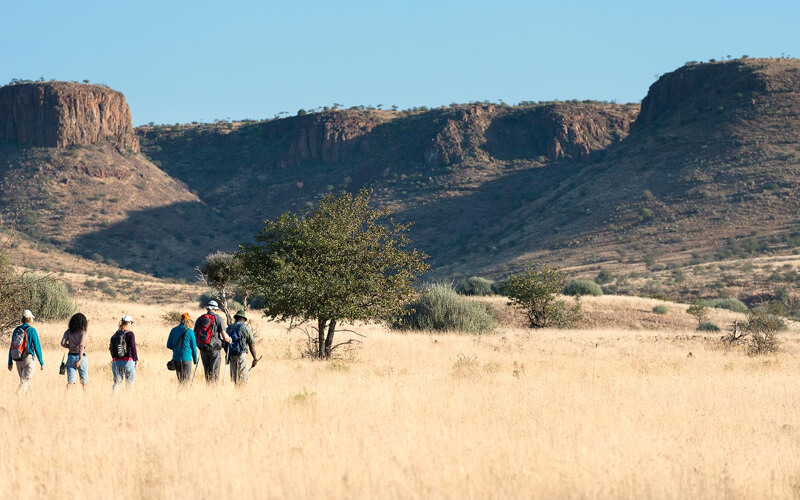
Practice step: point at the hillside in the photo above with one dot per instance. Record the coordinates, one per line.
(428, 166)
(72, 177)
(706, 171)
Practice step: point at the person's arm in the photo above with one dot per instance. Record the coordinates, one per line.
(251, 344)
(9, 360)
(33, 337)
(82, 347)
(132, 338)
(192, 344)
(223, 334)
(65, 340)
(171, 339)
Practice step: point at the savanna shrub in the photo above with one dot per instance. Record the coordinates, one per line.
(729, 304)
(440, 308)
(47, 297)
(583, 287)
(660, 309)
(707, 326)
(475, 285)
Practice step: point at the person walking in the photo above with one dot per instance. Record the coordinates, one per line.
(74, 339)
(184, 349)
(241, 343)
(24, 345)
(209, 336)
(123, 353)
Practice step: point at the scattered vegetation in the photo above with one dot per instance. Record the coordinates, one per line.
(757, 334)
(730, 304)
(708, 326)
(171, 318)
(660, 309)
(441, 309)
(475, 285)
(699, 311)
(583, 287)
(535, 293)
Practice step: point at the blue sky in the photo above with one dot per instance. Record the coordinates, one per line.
(181, 61)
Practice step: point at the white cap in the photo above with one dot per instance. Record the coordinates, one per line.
(28, 314)
(212, 305)
(127, 319)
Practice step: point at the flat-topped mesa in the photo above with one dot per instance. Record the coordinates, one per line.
(60, 114)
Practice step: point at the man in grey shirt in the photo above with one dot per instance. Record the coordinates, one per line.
(241, 343)
(210, 336)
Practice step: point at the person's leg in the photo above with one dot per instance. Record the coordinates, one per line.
(179, 371)
(217, 355)
(25, 371)
(83, 371)
(117, 371)
(205, 357)
(130, 372)
(244, 370)
(71, 370)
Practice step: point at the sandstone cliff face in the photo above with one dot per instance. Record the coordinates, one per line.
(60, 114)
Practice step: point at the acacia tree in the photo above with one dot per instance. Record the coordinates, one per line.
(535, 293)
(339, 262)
(219, 271)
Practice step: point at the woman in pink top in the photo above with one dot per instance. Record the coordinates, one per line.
(74, 339)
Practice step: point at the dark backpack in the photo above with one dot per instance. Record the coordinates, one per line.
(19, 343)
(237, 340)
(118, 346)
(205, 329)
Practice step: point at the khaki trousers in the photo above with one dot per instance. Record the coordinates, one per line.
(25, 371)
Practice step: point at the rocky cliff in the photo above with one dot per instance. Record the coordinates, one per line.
(60, 114)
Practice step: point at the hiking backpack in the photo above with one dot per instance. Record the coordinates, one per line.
(205, 330)
(118, 346)
(237, 340)
(19, 343)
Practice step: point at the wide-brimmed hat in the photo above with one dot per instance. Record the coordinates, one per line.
(240, 314)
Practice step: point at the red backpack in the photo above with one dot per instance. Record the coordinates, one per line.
(19, 343)
(205, 329)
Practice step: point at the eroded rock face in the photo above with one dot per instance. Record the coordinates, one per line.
(60, 114)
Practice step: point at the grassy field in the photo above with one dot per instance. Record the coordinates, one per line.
(600, 412)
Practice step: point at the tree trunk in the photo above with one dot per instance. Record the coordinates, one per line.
(224, 297)
(329, 340)
(321, 337)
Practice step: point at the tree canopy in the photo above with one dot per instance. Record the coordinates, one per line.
(341, 261)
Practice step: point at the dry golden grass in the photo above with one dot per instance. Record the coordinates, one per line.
(581, 414)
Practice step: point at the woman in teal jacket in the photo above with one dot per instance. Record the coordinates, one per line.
(184, 348)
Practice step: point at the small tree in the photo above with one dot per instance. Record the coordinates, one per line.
(219, 271)
(341, 261)
(535, 293)
(699, 311)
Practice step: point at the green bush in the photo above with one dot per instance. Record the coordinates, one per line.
(440, 308)
(475, 285)
(660, 309)
(729, 304)
(708, 326)
(47, 297)
(583, 287)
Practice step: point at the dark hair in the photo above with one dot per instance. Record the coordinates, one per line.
(78, 323)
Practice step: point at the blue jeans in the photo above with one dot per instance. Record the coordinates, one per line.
(82, 369)
(123, 370)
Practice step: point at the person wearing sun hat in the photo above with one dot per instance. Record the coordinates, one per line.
(123, 353)
(184, 348)
(210, 336)
(25, 341)
(241, 343)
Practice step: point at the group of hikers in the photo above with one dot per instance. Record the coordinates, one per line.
(206, 334)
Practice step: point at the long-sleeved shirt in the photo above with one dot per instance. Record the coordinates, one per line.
(183, 344)
(75, 342)
(130, 353)
(34, 348)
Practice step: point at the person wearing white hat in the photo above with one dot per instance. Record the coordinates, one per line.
(24, 346)
(123, 353)
(209, 336)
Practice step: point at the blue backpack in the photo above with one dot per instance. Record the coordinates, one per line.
(237, 340)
